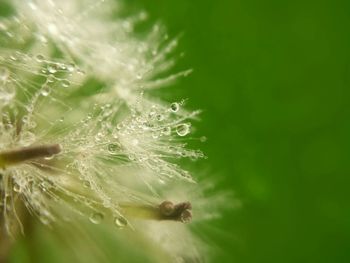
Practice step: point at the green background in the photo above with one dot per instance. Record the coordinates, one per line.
(273, 80)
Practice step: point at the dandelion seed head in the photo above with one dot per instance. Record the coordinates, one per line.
(110, 155)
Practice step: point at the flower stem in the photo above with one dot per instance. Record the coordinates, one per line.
(165, 211)
(13, 157)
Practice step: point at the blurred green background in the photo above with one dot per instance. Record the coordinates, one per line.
(273, 80)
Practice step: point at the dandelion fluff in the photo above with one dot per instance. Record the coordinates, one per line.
(79, 139)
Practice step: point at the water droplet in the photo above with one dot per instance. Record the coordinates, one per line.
(166, 130)
(49, 157)
(39, 58)
(160, 117)
(174, 107)
(65, 83)
(96, 218)
(25, 119)
(120, 222)
(16, 188)
(113, 148)
(52, 69)
(183, 129)
(70, 67)
(80, 71)
(86, 184)
(45, 90)
(155, 135)
(50, 78)
(131, 157)
(99, 136)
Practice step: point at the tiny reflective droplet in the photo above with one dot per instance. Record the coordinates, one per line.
(155, 135)
(50, 78)
(49, 157)
(120, 222)
(174, 107)
(113, 148)
(52, 69)
(70, 67)
(17, 188)
(65, 83)
(166, 130)
(45, 90)
(159, 117)
(183, 129)
(86, 184)
(39, 58)
(96, 218)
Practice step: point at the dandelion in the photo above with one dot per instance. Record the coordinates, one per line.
(78, 137)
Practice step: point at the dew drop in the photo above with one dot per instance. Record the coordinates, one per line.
(39, 58)
(70, 67)
(174, 107)
(65, 83)
(86, 184)
(113, 148)
(166, 130)
(50, 78)
(96, 218)
(183, 129)
(17, 188)
(25, 119)
(159, 117)
(155, 135)
(45, 90)
(120, 222)
(139, 76)
(80, 71)
(49, 157)
(52, 69)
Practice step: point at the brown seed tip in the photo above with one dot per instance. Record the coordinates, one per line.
(186, 216)
(179, 212)
(166, 208)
